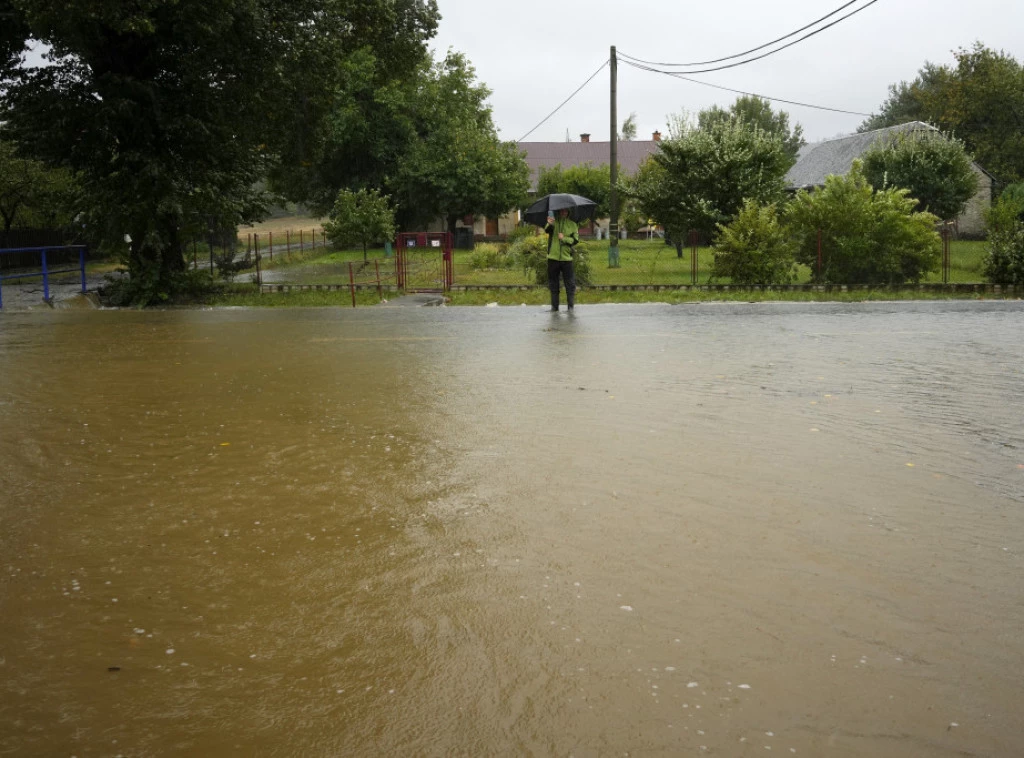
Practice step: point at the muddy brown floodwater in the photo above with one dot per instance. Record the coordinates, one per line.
(647, 530)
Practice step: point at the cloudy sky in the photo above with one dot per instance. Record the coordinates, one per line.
(534, 53)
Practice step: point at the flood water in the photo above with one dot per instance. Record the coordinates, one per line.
(646, 530)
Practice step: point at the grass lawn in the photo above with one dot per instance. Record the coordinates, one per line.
(654, 262)
(282, 225)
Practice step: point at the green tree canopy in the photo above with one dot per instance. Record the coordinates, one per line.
(700, 176)
(629, 128)
(32, 195)
(980, 100)
(592, 182)
(425, 137)
(172, 111)
(457, 166)
(757, 111)
(361, 218)
(865, 236)
(935, 169)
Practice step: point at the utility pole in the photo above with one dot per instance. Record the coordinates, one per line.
(613, 224)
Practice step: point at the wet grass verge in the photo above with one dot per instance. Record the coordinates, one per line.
(539, 296)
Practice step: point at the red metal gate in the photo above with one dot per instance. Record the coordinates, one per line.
(423, 261)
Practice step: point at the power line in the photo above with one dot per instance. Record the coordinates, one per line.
(745, 52)
(763, 55)
(564, 102)
(741, 92)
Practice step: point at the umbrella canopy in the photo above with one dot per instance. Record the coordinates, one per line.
(580, 208)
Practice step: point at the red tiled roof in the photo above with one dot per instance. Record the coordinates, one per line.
(548, 154)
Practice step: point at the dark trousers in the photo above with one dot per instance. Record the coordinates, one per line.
(568, 277)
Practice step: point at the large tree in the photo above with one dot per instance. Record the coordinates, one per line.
(980, 100)
(171, 111)
(590, 181)
(423, 135)
(758, 112)
(864, 235)
(934, 168)
(700, 176)
(457, 166)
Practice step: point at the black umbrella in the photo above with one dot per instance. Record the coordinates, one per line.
(580, 208)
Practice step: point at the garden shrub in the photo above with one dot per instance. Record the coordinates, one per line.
(755, 248)
(867, 237)
(487, 255)
(532, 254)
(1004, 260)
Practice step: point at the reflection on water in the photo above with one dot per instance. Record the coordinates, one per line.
(655, 530)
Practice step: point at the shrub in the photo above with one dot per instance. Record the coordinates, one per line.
(755, 248)
(933, 167)
(1004, 260)
(866, 237)
(519, 232)
(487, 255)
(532, 254)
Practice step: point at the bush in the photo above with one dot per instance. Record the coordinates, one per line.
(1004, 260)
(532, 254)
(522, 231)
(933, 167)
(487, 255)
(755, 248)
(867, 237)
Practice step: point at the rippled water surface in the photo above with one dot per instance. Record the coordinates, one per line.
(653, 530)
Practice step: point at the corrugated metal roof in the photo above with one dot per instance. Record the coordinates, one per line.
(836, 156)
(549, 154)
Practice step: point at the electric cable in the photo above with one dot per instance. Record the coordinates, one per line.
(746, 52)
(750, 94)
(565, 102)
(770, 52)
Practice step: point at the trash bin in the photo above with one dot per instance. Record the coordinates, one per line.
(463, 238)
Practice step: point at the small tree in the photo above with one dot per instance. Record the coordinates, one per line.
(756, 248)
(758, 112)
(629, 128)
(866, 237)
(700, 177)
(592, 182)
(361, 217)
(1004, 261)
(934, 168)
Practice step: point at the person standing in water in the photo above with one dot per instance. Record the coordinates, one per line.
(563, 236)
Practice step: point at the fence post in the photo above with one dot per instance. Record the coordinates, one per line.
(819, 255)
(693, 256)
(376, 266)
(81, 264)
(352, 283)
(270, 244)
(259, 274)
(288, 242)
(945, 255)
(46, 279)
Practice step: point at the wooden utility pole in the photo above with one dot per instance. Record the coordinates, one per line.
(613, 224)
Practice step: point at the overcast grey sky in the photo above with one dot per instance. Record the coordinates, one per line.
(534, 53)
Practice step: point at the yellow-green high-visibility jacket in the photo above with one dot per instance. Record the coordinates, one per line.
(561, 250)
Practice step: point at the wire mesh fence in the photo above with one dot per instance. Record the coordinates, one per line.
(640, 263)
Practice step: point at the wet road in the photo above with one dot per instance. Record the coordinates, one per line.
(653, 530)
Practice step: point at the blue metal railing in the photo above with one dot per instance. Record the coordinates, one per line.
(45, 271)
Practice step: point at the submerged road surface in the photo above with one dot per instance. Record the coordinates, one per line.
(647, 530)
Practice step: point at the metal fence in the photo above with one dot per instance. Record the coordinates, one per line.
(643, 262)
(38, 265)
